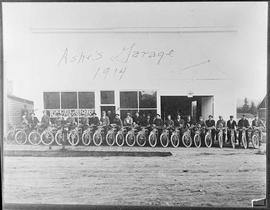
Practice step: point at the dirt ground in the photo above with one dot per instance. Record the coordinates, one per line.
(190, 177)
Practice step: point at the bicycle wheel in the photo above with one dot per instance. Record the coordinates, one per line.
(86, 138)
(187, 140)
(120, 139)
(175, 140)
(73, 138)
(34, 138)
(164, 139)
(110, 138)
(197, 140)
(130, 139)
(255, 141)
(59, 138)
(97, 138)
(152, 140)
(10, 136)
(141, 139)
(220, 140)
(244, 141)
(20, 137)
(208, 140)
(47, 137)
(233, 141)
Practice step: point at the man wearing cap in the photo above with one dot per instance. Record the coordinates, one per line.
(104, 120)
(118, 121)
(95, 120)
(243, 123)
(179, 122)
(45, 120)
(169, 122)
(137, 119)
(231, 125)
(258, 125)
(210, 124)
(128, 121)
(221, 124)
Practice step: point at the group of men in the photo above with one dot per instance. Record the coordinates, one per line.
(107, 119)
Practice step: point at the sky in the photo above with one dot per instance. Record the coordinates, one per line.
(240, 54)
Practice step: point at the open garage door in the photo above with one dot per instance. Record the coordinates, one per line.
(195, 106)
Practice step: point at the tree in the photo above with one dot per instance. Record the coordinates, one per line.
(245, 108)
(253, 108)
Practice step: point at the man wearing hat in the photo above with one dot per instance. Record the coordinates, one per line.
(137, 119)
(95, 120)
(128, 121)
(231, 125)
(210, 124)
(118, 121)
(159, 123)
(243, 123)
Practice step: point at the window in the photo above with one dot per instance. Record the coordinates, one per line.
(51, 100)
(69, 100)
(86, 100)
(129, 99)
(148, 99)
(107, 97)
(143, 101)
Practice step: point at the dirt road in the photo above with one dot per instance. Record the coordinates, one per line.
(190, 177)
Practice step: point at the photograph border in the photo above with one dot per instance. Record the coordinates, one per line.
(60, 206)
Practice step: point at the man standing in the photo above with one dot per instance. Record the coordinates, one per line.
(45, 121)
(259, 125)
(128, 121)
(210, 124)
(243, 124)
(104, 120)
(200, 122)
(95, 120)
(231, 125)
(118, 121)
(137, 119)
(33, 121)
(110, 115)
(169, 122)
(179, 122)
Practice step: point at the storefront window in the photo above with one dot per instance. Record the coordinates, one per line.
(69, 100)
(107, 97)
(51, 100)
(148, 99)
(129, 99)
(86, 100)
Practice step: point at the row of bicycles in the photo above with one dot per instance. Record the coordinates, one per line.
(134, 135)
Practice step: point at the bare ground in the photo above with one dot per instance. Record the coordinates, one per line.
(190, 177)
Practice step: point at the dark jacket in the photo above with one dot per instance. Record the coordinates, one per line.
(137, 120)
(169, 123)
(179, 123)
(158, 122)
(210, 123)
(118, 122)
(243, 123)
(231, 125)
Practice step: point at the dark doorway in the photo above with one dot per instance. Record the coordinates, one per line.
(181, 104)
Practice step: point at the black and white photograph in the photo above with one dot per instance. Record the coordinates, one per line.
(141, 104)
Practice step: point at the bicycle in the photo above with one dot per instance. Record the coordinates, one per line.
(197, 136)
(232, 137)
(131, 136)
(47, 136)
(34, 136)
(256, 137)
(152, 139)
(99, 135)
(186, 138)
(208, 138)
(21, 135)
(244, 137)
(220, 136)
(142, 135)
(175, 137)
(87, 135)
(74, 136)
(164, 137)
(120, 136)
(111, 135)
